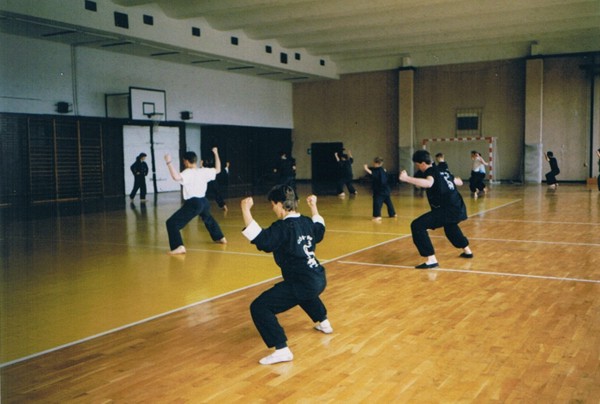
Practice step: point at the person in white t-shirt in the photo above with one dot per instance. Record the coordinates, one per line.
(476, 181)
(194, 182)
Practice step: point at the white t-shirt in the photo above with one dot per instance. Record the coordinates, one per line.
(478, 165)
(195, 180)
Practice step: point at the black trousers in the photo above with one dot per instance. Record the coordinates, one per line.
(139, 183)
(191, 208)
(476, 182)
(348, 183)
(282, 297)
(433, 220)
(378, 201)
(551, 177)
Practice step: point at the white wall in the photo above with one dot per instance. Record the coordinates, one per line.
(36, 74)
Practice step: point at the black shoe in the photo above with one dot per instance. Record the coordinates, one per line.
(427, 266)
(465, 255)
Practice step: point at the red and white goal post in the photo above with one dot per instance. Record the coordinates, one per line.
(457, 151)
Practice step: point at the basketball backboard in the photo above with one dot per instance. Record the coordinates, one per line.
(147, 104)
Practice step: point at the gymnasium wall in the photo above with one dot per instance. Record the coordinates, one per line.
(361, 111)
(37, 74)
(497, 88)
(566, 117)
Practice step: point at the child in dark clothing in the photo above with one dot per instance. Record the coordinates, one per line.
(292, 239)
(381, 189)
(345, 161)
(554, 170)
(140, 171)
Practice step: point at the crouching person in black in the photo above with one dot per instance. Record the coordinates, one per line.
(447, 209)
(292, 239)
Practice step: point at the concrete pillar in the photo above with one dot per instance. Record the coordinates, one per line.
(534, 108)
(406, 113)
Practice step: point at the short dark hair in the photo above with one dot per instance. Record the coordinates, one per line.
(284, 194)
(190, 156)
(550, 154)
(421, 156)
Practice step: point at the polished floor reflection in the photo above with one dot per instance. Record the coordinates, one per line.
(93, 309)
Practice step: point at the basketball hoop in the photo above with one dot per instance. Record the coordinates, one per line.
(155, 117)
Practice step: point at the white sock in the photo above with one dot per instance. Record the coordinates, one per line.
(280, 355)
(324, 326)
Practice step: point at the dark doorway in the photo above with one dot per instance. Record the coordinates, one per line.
(324, 167)
(253, 153)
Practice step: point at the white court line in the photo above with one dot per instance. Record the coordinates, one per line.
(495, 208)
(363, 249)
(468, 271)
(503, 240)
(142, 321)
(236, 290)
(540, 222)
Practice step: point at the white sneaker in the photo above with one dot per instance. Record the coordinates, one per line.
(324, 327)
(221, 241)
(177, 251)
(280, 355)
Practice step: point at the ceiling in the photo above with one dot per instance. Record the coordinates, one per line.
(361, 36)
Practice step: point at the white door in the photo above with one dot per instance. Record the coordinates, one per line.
(136, 140)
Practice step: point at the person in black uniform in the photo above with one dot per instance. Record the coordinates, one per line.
(598, 154)
(440, 162)
(140, 171)
(345, 161)
(554, 170)
(381, 189)
(292, 239)
(286, 169)
(217, 189)
(447, 209)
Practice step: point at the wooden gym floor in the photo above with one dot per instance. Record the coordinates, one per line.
(94, 310)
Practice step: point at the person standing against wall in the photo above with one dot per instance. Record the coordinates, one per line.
(598, 154)
(140, 170)
(554, 170)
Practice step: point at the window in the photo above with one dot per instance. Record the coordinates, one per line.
(468, 122)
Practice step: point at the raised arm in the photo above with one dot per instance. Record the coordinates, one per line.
(366, 167)
(246, 206)
(482, 160)
(172, 170)
(311, 200)
(217, 160)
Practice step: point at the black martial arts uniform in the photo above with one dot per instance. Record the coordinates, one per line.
(292, 241)
(447, 210)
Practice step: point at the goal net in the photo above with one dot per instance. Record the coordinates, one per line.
(457, 153)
